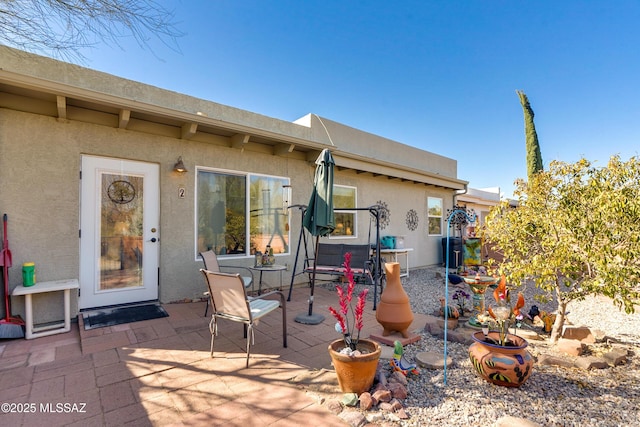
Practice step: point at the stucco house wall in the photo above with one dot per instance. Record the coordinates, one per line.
(52, 113)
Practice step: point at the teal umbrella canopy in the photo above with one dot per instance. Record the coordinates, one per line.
(319, 218)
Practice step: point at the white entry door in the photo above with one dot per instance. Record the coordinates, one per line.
(119, 236)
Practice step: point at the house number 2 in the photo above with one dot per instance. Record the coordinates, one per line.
(181, 192)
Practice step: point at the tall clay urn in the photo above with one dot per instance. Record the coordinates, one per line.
(394, 312)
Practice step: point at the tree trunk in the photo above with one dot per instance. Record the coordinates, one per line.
(556, 331)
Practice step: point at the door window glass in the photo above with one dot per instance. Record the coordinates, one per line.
(121, 243)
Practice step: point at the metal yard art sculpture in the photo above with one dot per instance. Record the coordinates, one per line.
(458, 215)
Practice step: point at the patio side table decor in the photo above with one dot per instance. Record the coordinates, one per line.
(268, 267)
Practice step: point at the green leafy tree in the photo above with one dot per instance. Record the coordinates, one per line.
(534, 157)
(576, 232)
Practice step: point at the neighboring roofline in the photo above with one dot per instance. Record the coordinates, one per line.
(485, 197)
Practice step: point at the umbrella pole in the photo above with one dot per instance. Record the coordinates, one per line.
(313, 277)
(310, 318)
(295, 263)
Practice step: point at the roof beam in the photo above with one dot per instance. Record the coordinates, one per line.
(239, 140)
(61, 102)
(189, 130)
(283, 149)
(123, 118)
(312, 155)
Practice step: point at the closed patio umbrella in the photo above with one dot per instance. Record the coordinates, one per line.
(319, 220)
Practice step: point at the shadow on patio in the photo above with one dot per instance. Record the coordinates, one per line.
(159, 372)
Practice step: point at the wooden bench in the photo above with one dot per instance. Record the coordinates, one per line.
(330, 260)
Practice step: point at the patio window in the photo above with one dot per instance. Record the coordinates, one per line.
(344, 198)
(238, 213)
(434, 216)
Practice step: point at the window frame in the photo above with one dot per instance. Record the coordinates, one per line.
(350, 211)
(429, 216)
(248, 177)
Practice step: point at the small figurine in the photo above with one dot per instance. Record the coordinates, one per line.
(452, 312)
(400, 363)
(548, 319)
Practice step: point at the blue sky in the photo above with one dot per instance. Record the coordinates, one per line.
(438, 75)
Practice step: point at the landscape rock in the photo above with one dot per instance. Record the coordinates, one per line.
(432, 360)
(375, 417)
(591, 362)
(398, 391)
(570, 347)
(617, 356)
(599, 335)
(546, 359)
(398, 377)
(529, 335)
(353, 418)
(580, 333)
(382, 395)
(382, 378)
(386, 406)
(350, 399)
(460, 335)
(366, 401)
(402, 414)
(396, 404)
(334, 406)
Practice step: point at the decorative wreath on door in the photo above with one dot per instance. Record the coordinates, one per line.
(121, 192)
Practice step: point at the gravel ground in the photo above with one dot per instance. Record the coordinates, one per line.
(553, 396)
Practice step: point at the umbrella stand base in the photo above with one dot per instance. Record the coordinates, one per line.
(309, 319)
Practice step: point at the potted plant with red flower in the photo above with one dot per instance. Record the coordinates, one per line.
(355, 359)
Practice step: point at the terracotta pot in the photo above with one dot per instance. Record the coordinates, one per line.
(394, 311)
(355, 373)
(508, 366)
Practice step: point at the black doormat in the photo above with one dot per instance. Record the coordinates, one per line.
(119, 315)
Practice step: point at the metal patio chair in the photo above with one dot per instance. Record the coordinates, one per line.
(229, 301)
(210, 260)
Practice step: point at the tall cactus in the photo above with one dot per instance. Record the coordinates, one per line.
(534, 157)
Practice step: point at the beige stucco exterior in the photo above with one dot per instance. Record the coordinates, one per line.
(52, 113)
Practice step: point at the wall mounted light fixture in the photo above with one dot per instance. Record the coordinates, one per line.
(179, 166)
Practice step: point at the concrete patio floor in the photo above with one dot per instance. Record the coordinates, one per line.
(159, 372)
